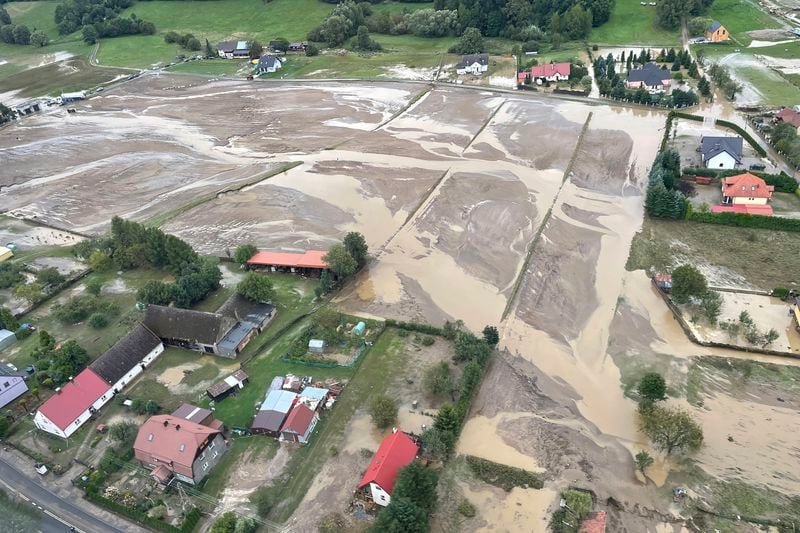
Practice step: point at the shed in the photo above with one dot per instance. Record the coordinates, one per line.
(316, 345)
(5, 253)
(360, 328)
(313, 396)
(230, 384)
(7, 338)
(273, 412)
(277, 383)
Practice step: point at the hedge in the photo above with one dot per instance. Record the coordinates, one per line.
(189, 523)
(724, 123)
(414, 326)
(505, 477)
(783, 182)
(744, 220)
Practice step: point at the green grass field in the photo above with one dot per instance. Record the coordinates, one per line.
(632, 23)
(783, 51)
(138, 51)
(35, 15)
(741, 16)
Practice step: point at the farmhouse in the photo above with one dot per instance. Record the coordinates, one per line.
(128, 358)
(73, 404)
(5, 254)
(651, 77)
(716, 32)
(473, 64)
(234, 382)
(309, 263)
(170, 447)
(784, 116)
(550, 72)
(198, 415)
(259, 315)
(299, 424)
(210, 333)
(273, 412)
(12, 385)
(721, 152)
(233, 49)
(396, 451)
(268, 63)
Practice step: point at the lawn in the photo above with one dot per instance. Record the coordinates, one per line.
(140, 51)
(773, 88)
(741, 16)
(632, 23)
(398, 7)
(783, 51)
(35, 15)
(764, 258)
(212, 67)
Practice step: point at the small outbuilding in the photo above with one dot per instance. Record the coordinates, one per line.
(359, 329)
(273, 412)
(5, 253)
(716, 32)
(299, 424)
(221, 390)
(316, 345)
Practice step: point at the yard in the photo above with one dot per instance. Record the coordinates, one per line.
(633, 24)
(728, 256)
(741, 16)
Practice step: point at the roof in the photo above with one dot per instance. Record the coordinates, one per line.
(172, 439)
(650, 74)
(314, 393)
(790, 116)
(268, 60)
(191, 413)
(5, 251)
(715, 25)
(161, 473)
(7, 372)
(298, 420)
(230, 46)
(277, 383)
(125, 354)
(308, 259)
(396, 451)
(185, 324)
(221, 387)
(4, 334)
(268, 421)
(713, 146)
(235, 336)
(551, 69)
(316, 343)
(74, 398)
(746, 186)
(240, 308)
(594, 523)
(663, 278)
(765, 210)
(278, 400)
(471, 59)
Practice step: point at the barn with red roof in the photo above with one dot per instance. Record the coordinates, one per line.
(73, 404)
(310, 262)
(396, 451)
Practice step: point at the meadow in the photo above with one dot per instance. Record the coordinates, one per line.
(633, 23)
(741, 16)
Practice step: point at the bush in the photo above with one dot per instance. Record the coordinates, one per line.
(780, 292)
(383, 411)
(264, 498)
(465, 508)
(437, 379)
(744, 220)
(244, 252)
(505, 477)
(98, 320)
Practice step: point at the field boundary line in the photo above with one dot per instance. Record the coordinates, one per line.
(411, 103)
(483, 127)
(532, 246)
(161, 219)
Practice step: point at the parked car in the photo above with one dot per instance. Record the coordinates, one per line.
(758, 166)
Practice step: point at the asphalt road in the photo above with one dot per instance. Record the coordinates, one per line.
(58, 514)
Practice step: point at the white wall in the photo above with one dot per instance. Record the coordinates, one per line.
(45, 424)
(136, 370)
(379, 496)
(722, 160)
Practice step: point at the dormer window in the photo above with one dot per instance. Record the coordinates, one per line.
(182, 448)
(150, 437)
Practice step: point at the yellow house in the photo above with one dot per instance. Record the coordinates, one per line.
(746, 189)
(717, 32)
(5, 253)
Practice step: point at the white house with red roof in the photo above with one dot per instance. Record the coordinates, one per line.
(73, 404)
(396, 451)
(550, 72)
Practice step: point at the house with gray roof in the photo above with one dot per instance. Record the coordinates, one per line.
(245, 310)
(233, 49)
(473, 64)
(651, 77)
(12, 385)
(721, 152)
(268, 63)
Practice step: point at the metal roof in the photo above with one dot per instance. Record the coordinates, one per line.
(278, 400)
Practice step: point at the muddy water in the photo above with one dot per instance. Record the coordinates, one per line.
(480, 437)
(519, 511)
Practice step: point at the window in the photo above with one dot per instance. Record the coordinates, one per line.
(6, 384)
(205, 466)
(216, 453)
(210, 446)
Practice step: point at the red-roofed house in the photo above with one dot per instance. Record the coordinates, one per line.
(789, 116)
(396, 451)
(550, 72)
(73, 404)
(595, 523)
(309, 262)
(172, 446)
(299, 424)
(745, 189)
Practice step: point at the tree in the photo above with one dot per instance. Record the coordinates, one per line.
(39, 38)
(94, 286)
(225, 523)
(437, 379)
(89, 34)
(281, 44)
(340, 262)
(417, 483)
(769, 337)
(151, 407)
(246, 524)
(209, 51)
(100, 261)
(652, 388)
(435, 444)
(155, 292)
(356, 245)
(471, 42)
(670, 13)
(98, 320)
(124, 433)
(577, 23)
(5, 18)
(363, 41)
(244, 252)
(670, 429)
(50, 276)
(255, 49)
(194, 44)
(312, 50)
(256, 288)
(643, 461)
(31, 292)
(7, 320)
(491, 336)
(402, 516)
(383, 411)
(687, 282)
(22, 35)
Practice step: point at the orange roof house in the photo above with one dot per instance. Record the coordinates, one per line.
(303, 263)
(717, 32)
(745, 189)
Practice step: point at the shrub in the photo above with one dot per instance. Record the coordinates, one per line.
(465, 508)
(780, 292)
(98, 320)
(744, 220)
(427, 340)
(437, 379)
(383, 411)
(505, 477)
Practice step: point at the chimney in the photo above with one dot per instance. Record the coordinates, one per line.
(166, 423)
(70, 378)
(58, 390)
(177, 427)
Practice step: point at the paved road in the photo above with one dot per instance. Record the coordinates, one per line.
(59, 514)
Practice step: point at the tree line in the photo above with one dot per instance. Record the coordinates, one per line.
(99, 18)
(663, 199)
(11, 33)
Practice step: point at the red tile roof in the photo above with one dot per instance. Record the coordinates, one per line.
(171, 440)
(765, 210)
(309, 259)
(746, 186)
(298, 420)
(74, 398)
(396, 451)
(790, 116)
(551, 69)
(596, 523)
